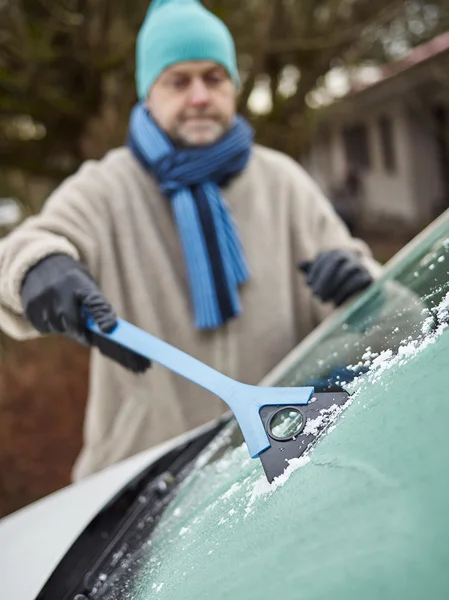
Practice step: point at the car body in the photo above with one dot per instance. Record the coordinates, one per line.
(362, 515)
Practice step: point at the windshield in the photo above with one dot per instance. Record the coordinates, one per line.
(352, 521)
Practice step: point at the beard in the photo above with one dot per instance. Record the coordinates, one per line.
(199, 129)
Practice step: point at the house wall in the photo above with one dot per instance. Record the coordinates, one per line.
(427, 183)
(325, 161)
(407, 193)
(389, 194)
(318, 163)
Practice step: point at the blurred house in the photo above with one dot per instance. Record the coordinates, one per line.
(382, 152)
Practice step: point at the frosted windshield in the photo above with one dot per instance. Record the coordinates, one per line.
(364, 515)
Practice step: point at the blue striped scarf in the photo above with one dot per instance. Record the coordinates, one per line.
(191, 177)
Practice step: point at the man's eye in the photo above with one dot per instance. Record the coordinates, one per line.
(179, 84)
(214, 78)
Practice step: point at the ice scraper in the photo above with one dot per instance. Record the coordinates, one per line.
(277, 423)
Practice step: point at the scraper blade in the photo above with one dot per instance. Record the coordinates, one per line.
(292, 430)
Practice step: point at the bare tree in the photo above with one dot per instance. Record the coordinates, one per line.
(66, 80)
(67, 68)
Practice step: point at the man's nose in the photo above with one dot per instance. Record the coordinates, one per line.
(199, 93)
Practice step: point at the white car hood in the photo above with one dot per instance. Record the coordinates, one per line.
(34, 539)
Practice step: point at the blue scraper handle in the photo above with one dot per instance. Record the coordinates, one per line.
(244, 400)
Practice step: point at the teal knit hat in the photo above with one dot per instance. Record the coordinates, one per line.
(180, 30)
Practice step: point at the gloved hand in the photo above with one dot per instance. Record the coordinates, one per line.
(335, 275)
(54, 293)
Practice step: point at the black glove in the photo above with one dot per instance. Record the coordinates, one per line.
(336, 275)
(54, 293)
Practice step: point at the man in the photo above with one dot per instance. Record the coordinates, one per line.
(190, 232)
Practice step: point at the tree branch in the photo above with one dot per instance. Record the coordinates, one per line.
(66, 19)
(324, 42)
(261, 42)
(18, 19)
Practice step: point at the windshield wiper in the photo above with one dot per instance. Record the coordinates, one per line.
(118, 535)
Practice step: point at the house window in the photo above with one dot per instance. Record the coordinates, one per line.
(356, 144)
(386, 133)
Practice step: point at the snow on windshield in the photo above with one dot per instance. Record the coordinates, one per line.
(227, 489)
(434, 323)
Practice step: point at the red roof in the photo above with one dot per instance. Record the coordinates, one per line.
(420, 54)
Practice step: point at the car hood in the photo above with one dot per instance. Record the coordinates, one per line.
(34, 539)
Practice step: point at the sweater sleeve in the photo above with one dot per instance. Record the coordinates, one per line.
(68, 224)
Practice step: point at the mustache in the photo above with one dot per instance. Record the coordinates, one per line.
(201, 115)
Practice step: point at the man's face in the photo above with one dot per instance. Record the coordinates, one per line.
(193, 102)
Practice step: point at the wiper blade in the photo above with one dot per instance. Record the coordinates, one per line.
(119, 533)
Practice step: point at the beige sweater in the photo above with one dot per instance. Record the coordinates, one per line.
(111, 215)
